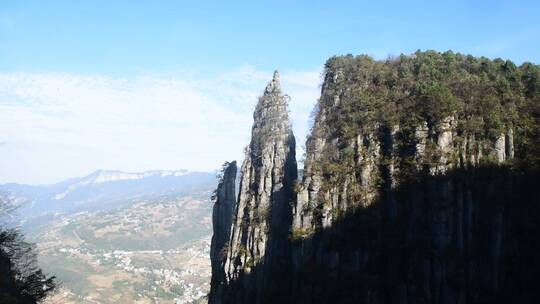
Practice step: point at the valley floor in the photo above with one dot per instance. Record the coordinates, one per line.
(150, 252)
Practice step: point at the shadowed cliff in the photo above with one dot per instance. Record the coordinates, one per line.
(469, 236)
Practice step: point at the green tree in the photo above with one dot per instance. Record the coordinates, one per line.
(21, 280)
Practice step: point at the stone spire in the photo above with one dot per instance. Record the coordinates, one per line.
(274, 84)
(263, 212)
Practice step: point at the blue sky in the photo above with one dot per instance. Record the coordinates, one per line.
(141, 85)
(134, 36)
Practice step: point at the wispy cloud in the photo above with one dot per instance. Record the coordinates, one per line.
(64, 125)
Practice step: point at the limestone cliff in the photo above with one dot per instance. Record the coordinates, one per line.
(222, 217)
(263, 213)
(418, 187)
(401, 210)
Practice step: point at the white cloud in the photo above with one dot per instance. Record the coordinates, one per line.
(56, 126)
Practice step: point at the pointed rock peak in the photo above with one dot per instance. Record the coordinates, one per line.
(275, 78)
(274, 85)
(272, 106)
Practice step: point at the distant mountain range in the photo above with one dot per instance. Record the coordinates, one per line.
(104, 189)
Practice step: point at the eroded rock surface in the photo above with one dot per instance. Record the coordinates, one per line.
(263, 213)
(222, 218)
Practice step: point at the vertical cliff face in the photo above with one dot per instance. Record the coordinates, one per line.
(258, 251)
(420, 207)
(418, 187)
(222, 218)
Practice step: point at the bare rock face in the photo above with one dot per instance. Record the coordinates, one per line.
(445, 145)
(222, 217)
(500, 148)
(263, 212)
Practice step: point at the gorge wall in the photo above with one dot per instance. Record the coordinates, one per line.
(420, 185)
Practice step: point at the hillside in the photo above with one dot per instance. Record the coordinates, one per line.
(154, 250)
(119, 237)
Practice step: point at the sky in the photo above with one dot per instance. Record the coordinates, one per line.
(143, 85)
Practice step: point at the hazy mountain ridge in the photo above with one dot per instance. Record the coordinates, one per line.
(103, 189)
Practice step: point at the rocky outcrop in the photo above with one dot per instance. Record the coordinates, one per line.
(425, 233)
(413, 191)
(258, 251)
(222, 218)
(422, 213)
